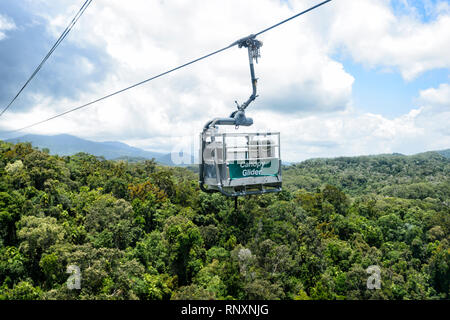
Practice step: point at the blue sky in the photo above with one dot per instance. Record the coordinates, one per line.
(382, 91)
(386, 92)
(422, 8)
(352, 78)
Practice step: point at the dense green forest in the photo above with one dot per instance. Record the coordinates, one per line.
(145, 231)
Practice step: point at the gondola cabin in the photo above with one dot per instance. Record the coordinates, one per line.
(238, 164)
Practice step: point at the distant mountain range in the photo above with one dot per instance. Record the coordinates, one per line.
(445, 153)
(66, 145)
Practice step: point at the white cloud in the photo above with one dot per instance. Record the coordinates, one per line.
(305, 93)
(435, 109)
(436, 98)
(371, 33)
(353, 133)
(6, 24)
(149, 37)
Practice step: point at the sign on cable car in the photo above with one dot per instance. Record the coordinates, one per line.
(246, 168)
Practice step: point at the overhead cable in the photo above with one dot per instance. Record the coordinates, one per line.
(60, 39)
(169, 71)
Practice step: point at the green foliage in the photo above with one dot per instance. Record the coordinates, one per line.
(109, 222)
(12, 265)
(24, 290)
(37, 234)
(156, 287)
(10, 210)
(185, 244)
(192, 292)
(137, 230)
(411, 177)
(152, 252)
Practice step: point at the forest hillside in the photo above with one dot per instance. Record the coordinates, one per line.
(145, 231)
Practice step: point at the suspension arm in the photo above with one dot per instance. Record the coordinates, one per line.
(252, 46)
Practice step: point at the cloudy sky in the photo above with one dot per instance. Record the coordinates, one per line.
(350, 78)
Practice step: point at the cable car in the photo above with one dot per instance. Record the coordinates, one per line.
(238, 164)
